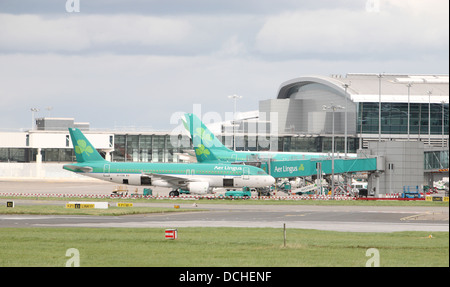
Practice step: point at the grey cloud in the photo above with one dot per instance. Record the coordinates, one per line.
(175, 7)
(144, 60)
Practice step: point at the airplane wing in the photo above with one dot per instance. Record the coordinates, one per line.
(171, 179)
(76, 168)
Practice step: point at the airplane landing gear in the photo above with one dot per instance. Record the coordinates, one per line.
(174, 193)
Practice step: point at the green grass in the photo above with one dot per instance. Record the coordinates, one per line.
(52, 209)
(62, 210)
(246, 201)
(218, 247)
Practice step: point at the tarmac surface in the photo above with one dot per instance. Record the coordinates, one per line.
(335, 218)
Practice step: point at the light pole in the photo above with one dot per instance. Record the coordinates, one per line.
(409, 94)
(345, 125)
(332, 107)
(379, 107)
(234, 97)
(429, 118)
(33, 110)
(49, 109)
(443, 120)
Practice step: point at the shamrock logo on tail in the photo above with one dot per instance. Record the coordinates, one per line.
(82, 147)
(202, 150)
(205, 137)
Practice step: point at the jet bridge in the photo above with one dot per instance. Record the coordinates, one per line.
(300, 168)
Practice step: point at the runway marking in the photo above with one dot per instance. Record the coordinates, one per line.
(414, 216)
(439, 216)
(303, 214)
(387, 211)
(24, 217)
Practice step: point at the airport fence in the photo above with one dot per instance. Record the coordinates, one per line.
(197, 197)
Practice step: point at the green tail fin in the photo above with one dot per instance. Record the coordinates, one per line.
(84, 150)
(204, 142)
(200, 134)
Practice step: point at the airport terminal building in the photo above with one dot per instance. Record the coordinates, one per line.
(362, 108)
(413, 108)
(303, 111)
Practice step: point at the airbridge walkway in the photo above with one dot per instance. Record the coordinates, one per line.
(300, 168)
(434, 161)
(391, 166)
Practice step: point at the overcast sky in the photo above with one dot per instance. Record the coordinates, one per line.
(119, 63)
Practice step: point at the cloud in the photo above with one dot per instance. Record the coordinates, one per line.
(139, 90)
(145, 90)
(399, 27)
(137, 62)
(172, 7)
(342, 29)
(78, 33)
(232, 47)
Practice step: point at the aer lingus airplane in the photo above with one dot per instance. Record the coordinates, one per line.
(198, 178)
(209, 149)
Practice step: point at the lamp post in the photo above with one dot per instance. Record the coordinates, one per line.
(409, 94)
(33, 110)
(234, 97)
(333, 108)
(429, 118)
(49, 109)
(443, 121)
(379, 107)
(345, 124)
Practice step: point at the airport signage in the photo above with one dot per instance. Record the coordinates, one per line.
(171, 234)
(124, 204)
(87, 204)
(79, 205)
(10, 204)
(436, 198)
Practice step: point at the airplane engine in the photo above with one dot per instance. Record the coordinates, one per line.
(198, 187)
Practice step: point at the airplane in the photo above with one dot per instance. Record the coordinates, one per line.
(197, 178)
(209, 149)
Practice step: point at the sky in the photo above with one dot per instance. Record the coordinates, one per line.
(135, 64)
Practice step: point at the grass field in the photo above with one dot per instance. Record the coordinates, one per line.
(243, 201)
(110, 211)
(53, 209)
(223, 247)
(218, 247)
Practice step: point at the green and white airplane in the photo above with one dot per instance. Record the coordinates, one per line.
(198, 178)
(209, 149)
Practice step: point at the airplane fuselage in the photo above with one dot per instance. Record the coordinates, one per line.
(199, 177)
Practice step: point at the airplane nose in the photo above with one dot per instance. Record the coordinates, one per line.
(271, 180)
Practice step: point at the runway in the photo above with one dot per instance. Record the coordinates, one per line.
(334, 218)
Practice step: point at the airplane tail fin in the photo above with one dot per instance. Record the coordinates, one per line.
(203, 140)
(84, 150)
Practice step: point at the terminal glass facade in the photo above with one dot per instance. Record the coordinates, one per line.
(148, 148)
(317, 144)
(394, 118)
(14, 155)
(55, 155)
(29, 155)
